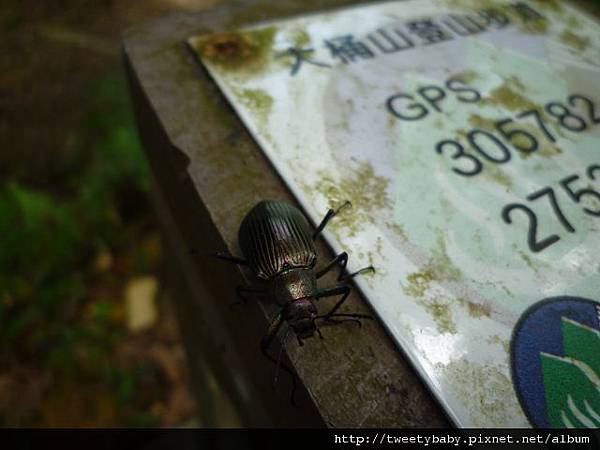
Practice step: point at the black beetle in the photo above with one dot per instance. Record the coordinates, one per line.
(278, 246)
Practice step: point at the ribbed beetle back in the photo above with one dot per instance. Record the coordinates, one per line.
(275, 236)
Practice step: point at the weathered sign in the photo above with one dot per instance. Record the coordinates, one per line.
(466, 134)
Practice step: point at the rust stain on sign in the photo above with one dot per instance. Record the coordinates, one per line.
(242, 52)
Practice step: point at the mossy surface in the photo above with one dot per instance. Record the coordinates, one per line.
(438, 268)
(258, 100)
(442, 315)
(497, 340)
(475, 310)
(478, 121)
(363, 188)
(574, 40)
(468, 76)
(418, 284)
(496, 174)
(510, 95)
(489, 391)
(301, 39)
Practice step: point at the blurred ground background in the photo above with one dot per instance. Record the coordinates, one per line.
(87, 334)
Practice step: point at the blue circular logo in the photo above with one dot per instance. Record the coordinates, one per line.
(555, 352)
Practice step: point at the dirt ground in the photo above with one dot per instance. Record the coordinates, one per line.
(87, 334)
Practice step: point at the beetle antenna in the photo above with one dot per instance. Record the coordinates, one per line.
(328, 217)
(346, 204)
(229, 258)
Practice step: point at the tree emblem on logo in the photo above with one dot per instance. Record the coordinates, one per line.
(572, 381)
(555, 352)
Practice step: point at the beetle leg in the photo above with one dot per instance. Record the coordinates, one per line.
(342, 260)
(344, 290)
(265, 343)
(328, 217)
(358, 272)
(348, 318)
(240, 290)
(267, 339)
(341, 289)
(318, 330)
(230, 258)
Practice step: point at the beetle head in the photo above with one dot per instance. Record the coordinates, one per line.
(301, 315)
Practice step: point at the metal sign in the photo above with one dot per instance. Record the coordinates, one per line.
(467, 136)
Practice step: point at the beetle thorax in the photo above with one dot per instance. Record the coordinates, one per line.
(293, 284)
(301, 315)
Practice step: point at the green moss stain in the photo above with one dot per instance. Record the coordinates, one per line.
(573, 22)
(376, 258)
(467, 76)
(442, 316)
(418, 283)
(497, 175)
(574, 40)
(461, 133)
(549, 5)
(545, 148)
(528, 260)
(539, 26)
(441, 263)
(485, 390)
(478, 121)
(301, 39)
(479, 4)
(243, 53)
(497, 340)
(365, 190)
(509, 95)
(261, 104)
(514, 81)
(397, 229)
(475, 310)
(257, 100)
(438, 268)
